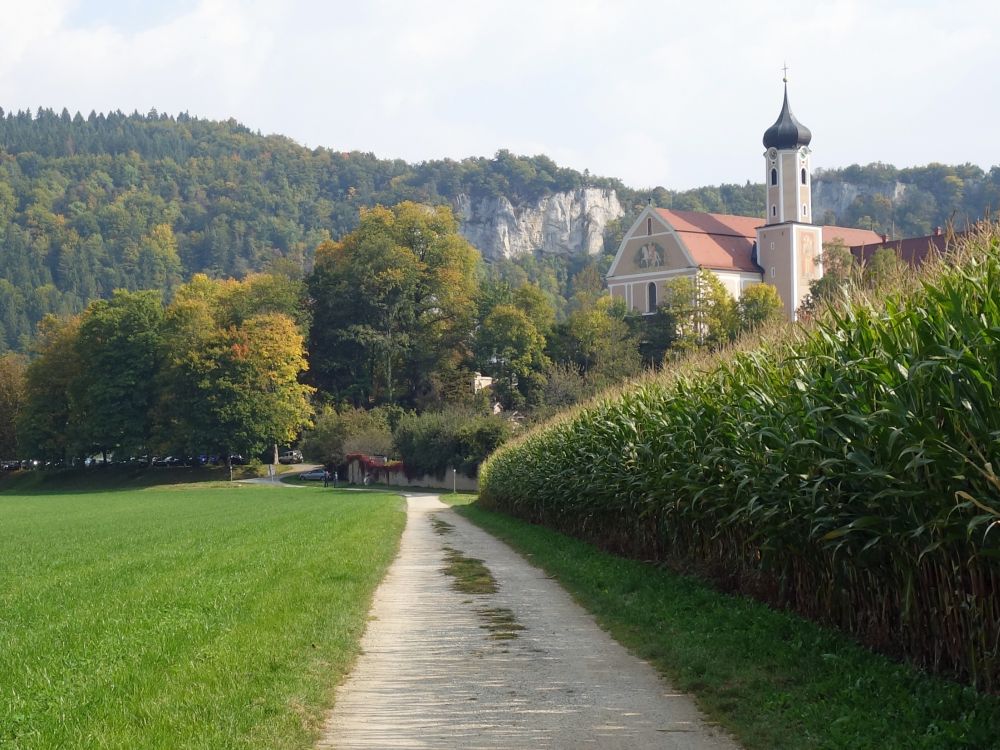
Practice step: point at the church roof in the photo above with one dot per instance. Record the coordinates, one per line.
(719, 241)
(851, 237)
(787, 132)
(723, 242)
(912, 250)
(699, 221)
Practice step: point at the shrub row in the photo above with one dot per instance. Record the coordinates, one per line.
(846, 472)
(433, 442)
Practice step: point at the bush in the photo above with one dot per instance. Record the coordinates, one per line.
(349, 431)
(433, 442)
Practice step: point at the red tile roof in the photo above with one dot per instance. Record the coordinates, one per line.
(720, 252)
(719, 241)
(698, 221)
(850, 237)
(913, 250)
(724, 242)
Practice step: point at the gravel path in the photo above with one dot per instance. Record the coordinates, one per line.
(434, 675)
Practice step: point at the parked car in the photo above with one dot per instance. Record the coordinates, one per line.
(290, 457)
(313, 474)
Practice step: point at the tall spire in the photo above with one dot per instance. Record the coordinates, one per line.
(787, 132)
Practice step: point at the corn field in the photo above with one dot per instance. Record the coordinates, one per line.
(847, 470)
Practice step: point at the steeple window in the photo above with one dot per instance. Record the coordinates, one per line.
(774, 176)
(803, 175)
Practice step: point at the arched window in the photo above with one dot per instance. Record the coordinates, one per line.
(649, 226)
(774, 211)
(774, 176)
(651, 291)
(803, 175)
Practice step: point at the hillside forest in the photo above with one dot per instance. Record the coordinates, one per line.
(113, 201)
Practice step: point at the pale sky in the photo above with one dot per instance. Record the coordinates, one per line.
(660, 92)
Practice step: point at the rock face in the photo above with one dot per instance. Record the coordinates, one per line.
(569, 223)
(837, 195)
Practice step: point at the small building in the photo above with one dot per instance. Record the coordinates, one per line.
(480, 381)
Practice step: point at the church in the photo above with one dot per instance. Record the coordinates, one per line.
(783, 249)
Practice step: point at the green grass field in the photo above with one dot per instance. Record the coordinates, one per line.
(191, 616)
(773, 679)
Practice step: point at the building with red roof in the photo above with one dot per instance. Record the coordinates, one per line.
(781, 247)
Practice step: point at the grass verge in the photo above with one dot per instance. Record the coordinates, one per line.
(205, 616)
(774, 680)
(458, 498)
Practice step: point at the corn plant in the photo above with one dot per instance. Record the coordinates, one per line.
(847, 469)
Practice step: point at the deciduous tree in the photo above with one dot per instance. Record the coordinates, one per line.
(118, 348)
(46, 428)
(510, 348)
(12, 396)
(392, 303)
(228, 387)
(697, 312)
(759, 305)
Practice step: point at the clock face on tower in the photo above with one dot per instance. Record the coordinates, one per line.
(772, 153)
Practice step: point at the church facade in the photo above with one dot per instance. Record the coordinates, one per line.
(783, 249)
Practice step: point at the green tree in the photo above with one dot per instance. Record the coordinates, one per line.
(759, 305)
(697, 312)
(350, 430)
(838, 273)
(392, 304)
(433, 442)
(510, 348)
(599, 341)
(537, 305)
(12, 396)
(884, 266)
(226, 387)
(118, 348)
(46, 427)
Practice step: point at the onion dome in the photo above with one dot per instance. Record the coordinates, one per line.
(787, 132)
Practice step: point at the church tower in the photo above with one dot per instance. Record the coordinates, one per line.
(788, 245)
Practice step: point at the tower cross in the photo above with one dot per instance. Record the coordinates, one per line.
(784, 70)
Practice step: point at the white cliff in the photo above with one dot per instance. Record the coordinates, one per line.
(569, 223)
(837, 195)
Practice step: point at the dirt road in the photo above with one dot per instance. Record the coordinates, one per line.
(524, 667)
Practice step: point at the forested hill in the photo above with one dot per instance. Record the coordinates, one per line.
(90, 204)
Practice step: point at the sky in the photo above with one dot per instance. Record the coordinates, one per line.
(667, 93)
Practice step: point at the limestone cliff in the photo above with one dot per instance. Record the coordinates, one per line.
(836, 196)
(568, 223)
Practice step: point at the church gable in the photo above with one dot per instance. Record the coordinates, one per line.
(650, 246)
(642, 255)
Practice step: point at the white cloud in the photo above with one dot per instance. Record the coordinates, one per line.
(671, 93)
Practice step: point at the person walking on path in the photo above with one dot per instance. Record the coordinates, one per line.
(326, 477)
